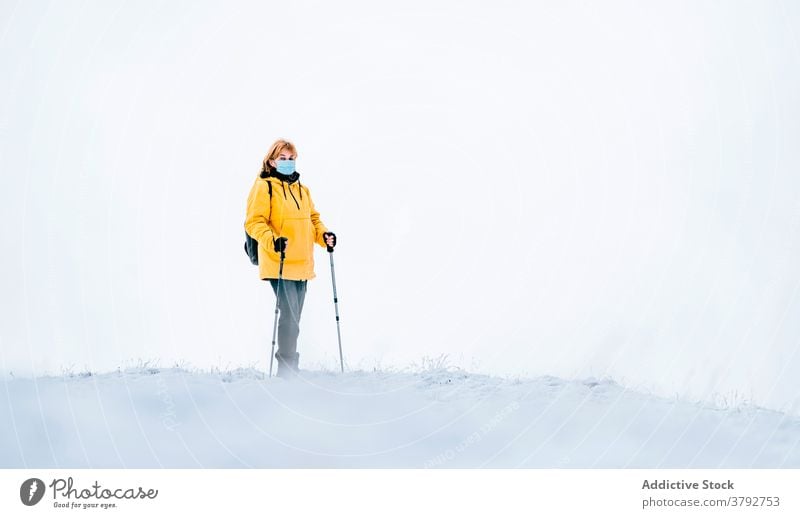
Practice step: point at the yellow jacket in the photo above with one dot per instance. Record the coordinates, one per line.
(288, 213)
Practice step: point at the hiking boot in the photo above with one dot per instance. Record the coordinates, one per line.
(287, 366)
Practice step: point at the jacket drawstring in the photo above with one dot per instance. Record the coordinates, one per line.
(295, 199)
(290, 192)
(283, 184)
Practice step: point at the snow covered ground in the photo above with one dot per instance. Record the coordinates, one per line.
(437, 418)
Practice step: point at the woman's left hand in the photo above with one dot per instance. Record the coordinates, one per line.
(330, 239)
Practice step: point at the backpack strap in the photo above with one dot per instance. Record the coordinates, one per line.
(269, 184)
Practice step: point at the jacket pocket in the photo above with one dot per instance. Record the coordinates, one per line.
(299, 247)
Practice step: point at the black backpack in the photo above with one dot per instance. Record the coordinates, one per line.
(250, 244)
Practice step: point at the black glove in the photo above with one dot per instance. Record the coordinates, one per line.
(280, 244)
(325, 238)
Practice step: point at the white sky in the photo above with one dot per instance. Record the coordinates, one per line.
(564, 188)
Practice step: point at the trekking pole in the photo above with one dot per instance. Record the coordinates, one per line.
(277, 299)
(336, 305)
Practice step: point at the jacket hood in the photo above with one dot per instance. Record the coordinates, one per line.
(290, 178)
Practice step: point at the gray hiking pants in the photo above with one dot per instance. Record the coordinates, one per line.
(290, 306)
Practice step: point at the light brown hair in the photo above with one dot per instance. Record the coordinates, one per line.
(274, 152)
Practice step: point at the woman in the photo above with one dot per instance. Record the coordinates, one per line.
(281, 216)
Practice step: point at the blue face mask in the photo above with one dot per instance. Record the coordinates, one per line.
(285, 166)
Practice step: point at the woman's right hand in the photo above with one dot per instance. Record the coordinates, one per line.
(280, 244)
